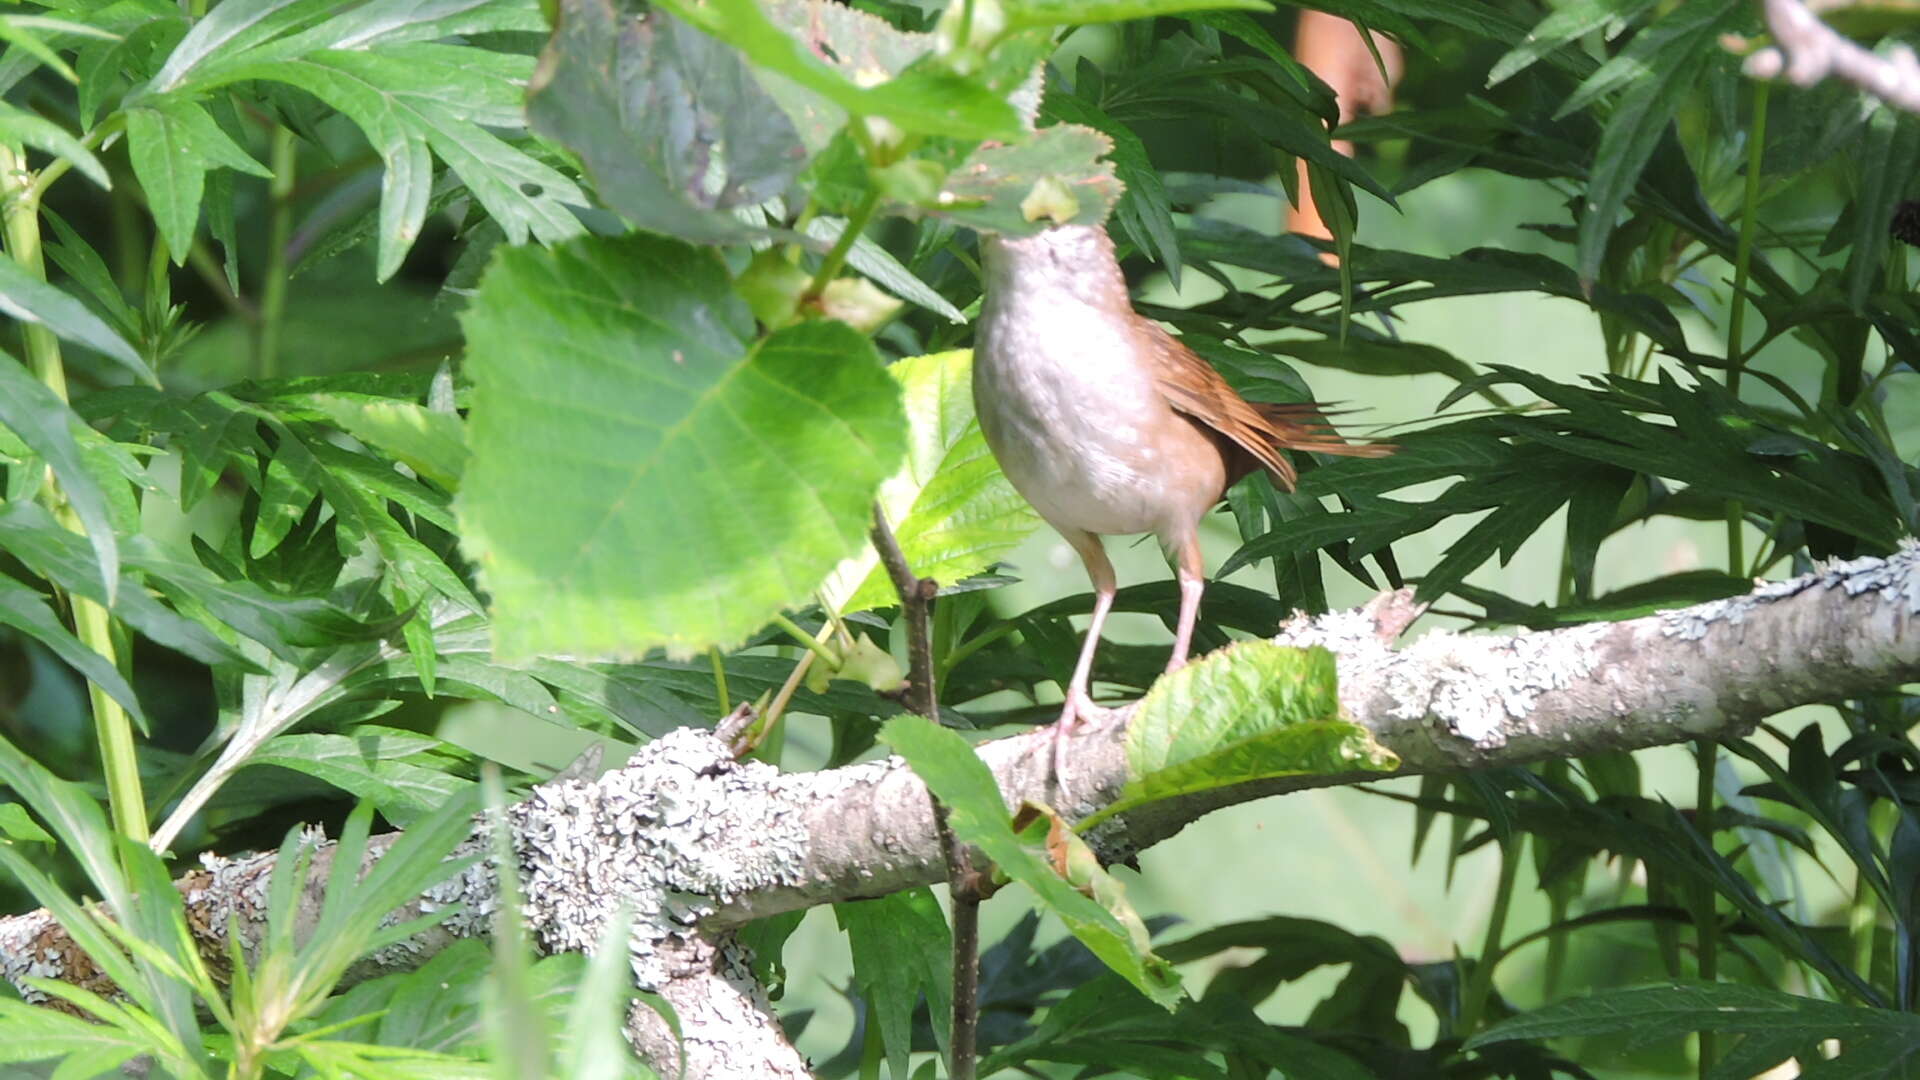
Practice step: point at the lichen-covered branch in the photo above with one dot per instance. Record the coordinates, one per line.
(1807, 50)
(696, 843)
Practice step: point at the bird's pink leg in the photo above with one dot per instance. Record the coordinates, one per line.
(1193, 581)
(1079, 706)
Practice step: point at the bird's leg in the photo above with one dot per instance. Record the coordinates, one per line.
(1079, 706)
(1193, 581)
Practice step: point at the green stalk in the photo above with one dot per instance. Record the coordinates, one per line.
(1863, 911)
(1737, 318)
(720, 680)
(1706, 923)
(1473, 1003)
(817, 646)
(91, 623)
(857, 224)
(273, 288)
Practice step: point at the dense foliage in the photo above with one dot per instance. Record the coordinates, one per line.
(371, 360)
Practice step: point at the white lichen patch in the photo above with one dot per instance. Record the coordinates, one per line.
(679, 831)
(1894, 576)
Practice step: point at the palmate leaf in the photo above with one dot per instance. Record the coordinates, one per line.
(1875, 1043)
(901, 948)
(172, 144)
(628, 465)
(1658, 66)
(951, 508)
(411, 97)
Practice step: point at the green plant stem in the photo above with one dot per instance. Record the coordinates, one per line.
(720, 680)
(1863, 910)
(813, 644)
(1737, 317)
(1706, 922)
(1743, 251)
(273, 289)
(1473, 1003)
(91, 623)
(837, 258)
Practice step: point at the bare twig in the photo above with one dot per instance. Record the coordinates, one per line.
(1807, 50)
(963, 884)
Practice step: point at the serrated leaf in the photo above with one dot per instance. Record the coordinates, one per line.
(979, 816)
(30, 299)
(901, 949)
(1876, 1043)
(925, 100)
(1084, 12)
(1250, 711)
(172, 144)
(951, 508)
(668, 121)
(45, 423)
(367, 765)
(652, 534)
(433, 444)
(30, 534)
(989, 189)
(1563, 25)
(1662, 62)
(18, 125)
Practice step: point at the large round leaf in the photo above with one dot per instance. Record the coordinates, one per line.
(643, 474)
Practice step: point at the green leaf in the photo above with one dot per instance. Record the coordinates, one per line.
(668, 121)
(172, 144)
(17, 827)
(958, 778)
(1662, 61)
(926, 100)
(1887, 164)
(951, 508)
(18, 125)
(43, 421)
(1250, 711)
(990, 190)
(1563, 25)
(30, 299)
(901, 948)
(369, 764)
(410, 97)
(432, 443)
(652, 534)
(30, 534)
(1875, 1043)
(1083, 12)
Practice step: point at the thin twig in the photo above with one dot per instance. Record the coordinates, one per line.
(963, 884)
(1807, 50)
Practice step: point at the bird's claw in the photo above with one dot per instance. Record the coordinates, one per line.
(1076, 714)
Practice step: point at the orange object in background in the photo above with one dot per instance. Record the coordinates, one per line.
(1332, 48)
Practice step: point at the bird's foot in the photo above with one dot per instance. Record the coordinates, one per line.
(1076, 714)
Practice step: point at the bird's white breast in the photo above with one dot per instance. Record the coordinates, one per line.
(1069, 409)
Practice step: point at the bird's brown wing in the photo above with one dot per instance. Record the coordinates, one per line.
(1262, 433)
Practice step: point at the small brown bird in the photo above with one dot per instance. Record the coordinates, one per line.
(1109, 425)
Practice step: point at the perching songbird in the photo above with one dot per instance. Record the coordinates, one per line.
(1109, 425)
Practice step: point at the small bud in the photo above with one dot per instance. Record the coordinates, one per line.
(856, 302)
(771, 286)
(1050, 199)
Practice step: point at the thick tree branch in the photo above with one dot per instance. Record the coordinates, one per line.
(697, 843)
(1807, 50)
